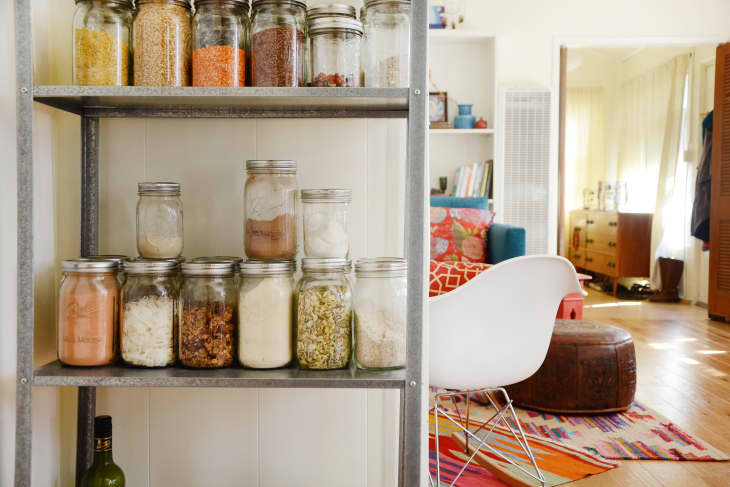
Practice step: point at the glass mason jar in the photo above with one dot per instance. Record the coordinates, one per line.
(119, 259)
(335, 51)
(322, 11)
(208, 315)
(149, 332)
(270, 207)
(380, 309)
(326, 222)
(159, 221)
(220, 29)
(162, 43)
(102, 41)
(88, 306)
(265, 314)
(324, 315)
(278, 39)
(387, 43)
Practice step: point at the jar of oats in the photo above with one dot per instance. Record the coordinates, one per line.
(324, 315)
(101, 42)
(162, 43)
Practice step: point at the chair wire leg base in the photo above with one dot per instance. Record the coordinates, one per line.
(500, 417)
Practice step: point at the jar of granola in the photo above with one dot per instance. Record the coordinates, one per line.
(278, 35)
(208, 315)
(324, 314)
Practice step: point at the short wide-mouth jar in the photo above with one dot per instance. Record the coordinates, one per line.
(326, 222)
(335, 51)
(159, 220)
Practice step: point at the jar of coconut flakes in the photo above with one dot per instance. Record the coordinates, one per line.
(326, 222)
(149, 313)
(159, 221)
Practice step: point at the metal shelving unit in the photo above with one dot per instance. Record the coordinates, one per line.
(93, 103)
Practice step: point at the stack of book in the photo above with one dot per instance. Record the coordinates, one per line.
(474, 180)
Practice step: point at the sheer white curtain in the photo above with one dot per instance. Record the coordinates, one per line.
(584, 145)
(652, 109)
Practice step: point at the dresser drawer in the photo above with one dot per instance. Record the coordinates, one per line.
(601, 234)
(577, 257)
(601, 263)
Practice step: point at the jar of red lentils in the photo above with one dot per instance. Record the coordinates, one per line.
(220, 30)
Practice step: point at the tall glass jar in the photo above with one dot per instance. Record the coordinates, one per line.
(324, 315)
(88, 304)
(265, 314)
(270, 205)
(162, 43)
(102, 41)
(220, 30)
(387, 43)
(380, 309)
(149, 313)
(278, 37)
(335, 51)
(208, 315)
(159, 221)
(326, 222)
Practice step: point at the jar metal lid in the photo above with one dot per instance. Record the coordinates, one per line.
(161, 187)
(326, 195)
(218, 258)
(268, 268)
(119, 259)
(124, 3)
(235, 3)
(322, 24)
(144, 266)
(208, 268)
(89, 265)
(314, 264)
(381, 264)
(271, 165)
(373, 3)
(180, 3)
(293, 3)
(331, 10)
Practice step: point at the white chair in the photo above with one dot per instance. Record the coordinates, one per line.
(491, 332)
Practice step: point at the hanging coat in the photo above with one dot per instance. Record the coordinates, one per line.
(700, 225)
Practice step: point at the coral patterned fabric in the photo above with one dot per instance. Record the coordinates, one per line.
(447, 276)
(459, 234)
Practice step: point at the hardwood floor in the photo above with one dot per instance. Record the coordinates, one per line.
(683, 369)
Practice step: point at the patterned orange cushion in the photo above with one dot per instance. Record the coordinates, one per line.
(459, 234)
(447, 276)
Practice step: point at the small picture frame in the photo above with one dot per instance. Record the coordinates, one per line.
(436, 16)
(438, 107)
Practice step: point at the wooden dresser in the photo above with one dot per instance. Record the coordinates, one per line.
(610, 243)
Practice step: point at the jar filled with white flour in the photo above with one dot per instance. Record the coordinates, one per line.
(265, 314)
(159, 221)
(380, 308)
(326, 222)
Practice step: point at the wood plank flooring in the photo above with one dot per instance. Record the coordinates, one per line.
(683, 368)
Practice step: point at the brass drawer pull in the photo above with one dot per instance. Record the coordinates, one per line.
(589, 259)
(611, 244)
(589, 240)
(590, 222)
(612, 264)
(612, 224)
(576, 256)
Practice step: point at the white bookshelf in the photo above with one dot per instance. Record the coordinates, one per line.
(461, 131)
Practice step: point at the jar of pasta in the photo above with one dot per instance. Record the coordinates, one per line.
(208, 315)
(380, 309)
(270, 206)
(324, 314)
(220, 30)
(265, 314)
(278, 37)
(102, 35)
(162, 43)
(149, 313)
(88, 304)
(387, 40)
(159, 221)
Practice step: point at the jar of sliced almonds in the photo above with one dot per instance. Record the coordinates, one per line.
(324, 315)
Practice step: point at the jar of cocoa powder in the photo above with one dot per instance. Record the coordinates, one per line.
(278, 39)
(270, 206)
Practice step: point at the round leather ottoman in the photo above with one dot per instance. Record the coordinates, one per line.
(589, 368)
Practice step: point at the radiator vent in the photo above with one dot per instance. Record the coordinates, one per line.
(723, 266)
(527, 164)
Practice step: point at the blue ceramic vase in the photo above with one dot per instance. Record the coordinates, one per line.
(465, 120)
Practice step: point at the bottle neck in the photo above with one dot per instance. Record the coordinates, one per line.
(103, 450)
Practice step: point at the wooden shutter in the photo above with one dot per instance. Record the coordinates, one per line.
(719, 286)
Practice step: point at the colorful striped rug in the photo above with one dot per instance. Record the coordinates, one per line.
(559, 463)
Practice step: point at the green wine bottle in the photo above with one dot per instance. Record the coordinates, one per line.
(104, 472)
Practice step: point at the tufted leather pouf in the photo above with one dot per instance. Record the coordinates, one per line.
(589, 368)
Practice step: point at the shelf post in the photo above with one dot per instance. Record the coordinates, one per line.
(24, 368)
(413, 465)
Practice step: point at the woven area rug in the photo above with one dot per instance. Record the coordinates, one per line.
(637, 434)
(559, 463)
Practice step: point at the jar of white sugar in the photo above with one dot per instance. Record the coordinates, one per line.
(159, 221)
(380, 308)
(326, 222)
(265, 314)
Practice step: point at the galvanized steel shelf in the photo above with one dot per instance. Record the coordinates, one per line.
(93, 103)
(57, 375)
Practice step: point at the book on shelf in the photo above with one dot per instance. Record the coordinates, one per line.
(474, 180)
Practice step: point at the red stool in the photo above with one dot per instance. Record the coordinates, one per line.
(571, 307)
